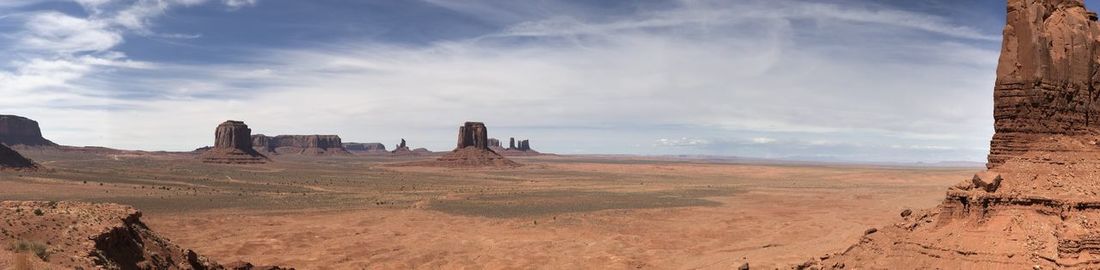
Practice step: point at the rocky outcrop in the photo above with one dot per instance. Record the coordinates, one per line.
(473, 149)
(299, 144)
(366, 147)
(18, 130)
(1047, 77)
(494, 145)
(12, 160)
(77, 235)
(402, 149)
(233, 145)
(473, 134)
(519, 148)
(1036, 205)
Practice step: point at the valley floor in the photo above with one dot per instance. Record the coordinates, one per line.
(556, 212)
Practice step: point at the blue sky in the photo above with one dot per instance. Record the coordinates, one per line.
(851, 80)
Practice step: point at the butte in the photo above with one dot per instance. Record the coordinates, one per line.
(1037, 206)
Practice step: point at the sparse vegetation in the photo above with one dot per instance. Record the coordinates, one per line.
(38, 212)
(38, 249)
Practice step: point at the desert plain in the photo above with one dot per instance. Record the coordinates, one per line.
(553, 212)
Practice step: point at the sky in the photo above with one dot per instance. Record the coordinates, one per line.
(847, 80)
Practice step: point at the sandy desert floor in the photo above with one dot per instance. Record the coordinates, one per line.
(556, 212)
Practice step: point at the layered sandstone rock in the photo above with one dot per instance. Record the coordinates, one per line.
(233, 145)
(519, 148)
(495, 145)
(1047, 76)
(300, 144)
(366, 147)
(1037, 205)
(473, 134)
(18, 130)
(77, 235)
(12, 160)
(473, 149)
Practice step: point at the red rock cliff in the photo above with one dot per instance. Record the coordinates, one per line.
(1047, 81)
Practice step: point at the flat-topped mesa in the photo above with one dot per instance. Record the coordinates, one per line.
(1047, 78)
(18, 130)
(300, 144)
(365, 147)
(473, 134)
(12, 160)
(233, 145)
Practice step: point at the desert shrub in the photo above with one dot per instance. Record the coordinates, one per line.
(40, 250)
(38, 212)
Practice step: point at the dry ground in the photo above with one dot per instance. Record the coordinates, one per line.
(553, 213)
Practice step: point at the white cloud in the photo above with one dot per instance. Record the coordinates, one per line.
(763, 140)
(240, 3)
(737, 69)
(57, 32)
(681, 142)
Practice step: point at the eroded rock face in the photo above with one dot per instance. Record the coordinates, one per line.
(12, 160)
(473, 134)
(300, 144)
(18, 130)
(365, 147)
(233, 145)
(1036, 205)
(402, 149)
(519, 148)
(81, 235)
(473, 150)
(1047, 77)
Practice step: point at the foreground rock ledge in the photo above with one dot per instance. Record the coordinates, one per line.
(76, 235)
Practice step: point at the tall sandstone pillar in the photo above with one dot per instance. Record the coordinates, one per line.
(1047, 80)
(473, 134)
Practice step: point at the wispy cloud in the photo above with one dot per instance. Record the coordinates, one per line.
(773, 73)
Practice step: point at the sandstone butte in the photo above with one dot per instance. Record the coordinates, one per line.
(233, 145)
(1038, 204)
(18, 130)
(472, 149)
